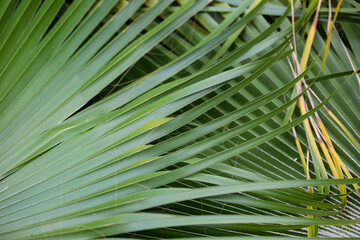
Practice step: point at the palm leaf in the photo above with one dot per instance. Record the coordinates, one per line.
(164, 119)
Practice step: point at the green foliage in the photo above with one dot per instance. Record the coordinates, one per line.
(165, 119)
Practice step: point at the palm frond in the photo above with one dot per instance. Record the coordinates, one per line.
(169, 120)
